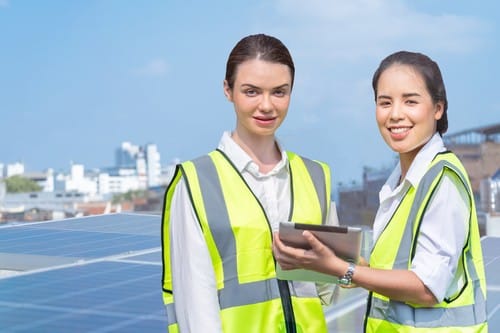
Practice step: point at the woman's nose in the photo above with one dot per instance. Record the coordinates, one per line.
(396, 111)
(266, 104)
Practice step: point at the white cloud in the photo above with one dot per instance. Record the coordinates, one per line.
(357, 29)
(156, 67)
(337, 45)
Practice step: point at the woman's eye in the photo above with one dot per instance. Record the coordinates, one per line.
(250, 92)
(279, 93)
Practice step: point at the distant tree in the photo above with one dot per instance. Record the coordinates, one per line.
(129, 196)
(20, 184)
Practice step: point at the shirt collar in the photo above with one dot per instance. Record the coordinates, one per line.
(242, 160)
(417, 168)
(424, 157)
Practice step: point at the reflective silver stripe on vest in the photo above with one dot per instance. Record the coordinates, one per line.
(171, 317)
(425, 183)
(233, 294)
(403, 314)
(318, 179)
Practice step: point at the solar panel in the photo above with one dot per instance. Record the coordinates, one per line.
(136, 224)
(103, 274)
(97, 274)
(96, 297)
(491, 256)
(101, 236)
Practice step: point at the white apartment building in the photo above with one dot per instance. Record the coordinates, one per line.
(153, 165)
(146, 161)
(13, 169)
(76, 181)
(137, 168)
(44, 179)
(124, 180)
(100, 184)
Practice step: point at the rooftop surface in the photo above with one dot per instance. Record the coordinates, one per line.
(103, 274)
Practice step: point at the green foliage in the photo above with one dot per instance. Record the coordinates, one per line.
(20, 184)
(128, 196)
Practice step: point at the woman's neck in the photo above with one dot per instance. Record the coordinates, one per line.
(263, 150)
(405, 161)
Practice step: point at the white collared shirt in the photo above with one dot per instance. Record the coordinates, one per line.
(195, 292)
(444, 225)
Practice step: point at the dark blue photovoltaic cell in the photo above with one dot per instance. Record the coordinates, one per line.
(494, 309)
(491, 254)
(136, 224)
(84, 244)
(114, 289)
(81, 240)
(88, 298)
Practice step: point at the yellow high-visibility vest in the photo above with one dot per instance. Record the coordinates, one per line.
(239, 239)
(464, 312)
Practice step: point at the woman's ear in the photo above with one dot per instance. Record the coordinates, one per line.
(439, 110)
(227, 91)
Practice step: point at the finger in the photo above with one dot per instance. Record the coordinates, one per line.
(277, 246)
(274, 247)
(286, 266)
(315, 243)
(277, 241)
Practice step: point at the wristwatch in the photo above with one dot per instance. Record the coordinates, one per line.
(346, 280)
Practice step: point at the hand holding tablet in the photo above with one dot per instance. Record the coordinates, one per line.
(345, 241)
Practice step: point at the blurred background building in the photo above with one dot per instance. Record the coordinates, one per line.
(479, 151)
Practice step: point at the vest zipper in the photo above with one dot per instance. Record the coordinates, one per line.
(286, 303)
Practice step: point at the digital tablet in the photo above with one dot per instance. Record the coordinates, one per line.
(345, 241)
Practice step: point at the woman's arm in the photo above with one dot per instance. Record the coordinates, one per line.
(442, 237)
(193, 279)
(401, 285)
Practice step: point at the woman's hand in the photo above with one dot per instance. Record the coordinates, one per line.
(319, 258)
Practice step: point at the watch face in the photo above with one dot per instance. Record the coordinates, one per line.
(344, 281)
(347, 278)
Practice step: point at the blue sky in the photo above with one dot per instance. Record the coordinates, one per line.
(79, 77)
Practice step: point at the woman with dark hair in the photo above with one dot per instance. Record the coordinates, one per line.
(426, 271)
(221, 209)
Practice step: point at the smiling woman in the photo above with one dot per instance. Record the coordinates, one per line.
(261, 96)
(221, 209)
(406, 113)
(426, 271)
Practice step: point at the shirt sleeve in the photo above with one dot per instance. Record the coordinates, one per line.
(442, 237)
(193, 279)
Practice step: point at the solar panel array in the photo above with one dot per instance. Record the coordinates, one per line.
(491, 256)
(103, 274)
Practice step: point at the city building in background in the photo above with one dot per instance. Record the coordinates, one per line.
(136, 182)
(13, 169)
(479, 151)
